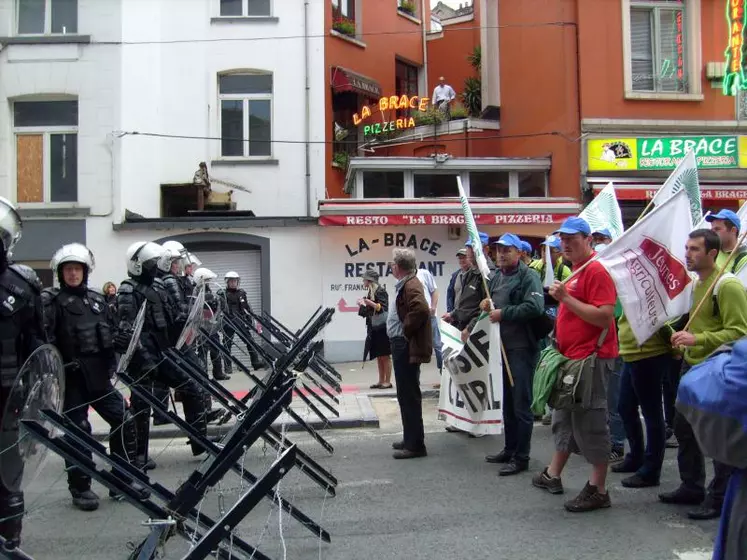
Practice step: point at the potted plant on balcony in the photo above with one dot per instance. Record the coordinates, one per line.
(408, 7)
(340, 160)
(343, 25)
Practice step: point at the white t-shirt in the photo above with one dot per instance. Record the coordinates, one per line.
(429, 283)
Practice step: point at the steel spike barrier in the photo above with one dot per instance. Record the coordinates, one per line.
(12, 552)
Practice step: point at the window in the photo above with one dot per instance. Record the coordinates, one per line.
(383, 184)
(405, 82)
(409, 7)
(246, 8)
(344, 9)
(46, 137)
(45, 17)
(658, 54)
(489, 184)
(246, 115)
(532, 184)
(435, 185)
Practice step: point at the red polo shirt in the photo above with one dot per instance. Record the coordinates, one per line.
(576, 338)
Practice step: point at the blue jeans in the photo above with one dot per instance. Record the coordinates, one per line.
(641, 386)
(617, 428)
(437, 343)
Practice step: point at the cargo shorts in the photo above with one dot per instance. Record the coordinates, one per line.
(583, 429)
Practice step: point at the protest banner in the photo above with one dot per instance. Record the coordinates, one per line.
(472, 379)
(647, 265)
(684, 177)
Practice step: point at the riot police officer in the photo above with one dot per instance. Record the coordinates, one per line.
(77, 321)
(176, 281)
(237, 304)
(21, 332)
(203, 277)
(147, 364)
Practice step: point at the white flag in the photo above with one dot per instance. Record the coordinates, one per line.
(604, 212)
(469, 221)
(549, 265)
(647, 265)
(684, 176)
(704, 223)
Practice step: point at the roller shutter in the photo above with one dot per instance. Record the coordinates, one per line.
(246, 263)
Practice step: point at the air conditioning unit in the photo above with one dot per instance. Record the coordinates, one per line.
(715, 70)
(455, 232)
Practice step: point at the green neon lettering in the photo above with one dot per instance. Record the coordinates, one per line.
(734, 78)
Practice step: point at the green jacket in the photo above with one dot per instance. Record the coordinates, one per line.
(712, 328)
(561, 271)
(738, 262)
(657, 345)
(520, 298)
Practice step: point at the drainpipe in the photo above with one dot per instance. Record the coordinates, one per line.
(307, 131)
(424, 25)
(111, 137)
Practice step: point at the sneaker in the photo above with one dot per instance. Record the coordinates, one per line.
(588, 500)
(552, 484)
(616, 455)
(85, 500)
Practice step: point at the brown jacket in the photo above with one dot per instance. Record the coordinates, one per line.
(415, 315)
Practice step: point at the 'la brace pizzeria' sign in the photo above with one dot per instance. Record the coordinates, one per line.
(440, 219)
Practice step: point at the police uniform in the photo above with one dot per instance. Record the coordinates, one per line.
(146, 365)
(21, 332)
(79, 322)
(237, 304)
(214, 303)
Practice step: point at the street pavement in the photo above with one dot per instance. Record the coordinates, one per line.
(450, 505)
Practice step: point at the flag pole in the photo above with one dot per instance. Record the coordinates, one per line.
(713, 285)
(503, 348)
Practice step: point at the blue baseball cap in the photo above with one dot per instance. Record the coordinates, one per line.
(510, 240)
(526, 246)
(553, 241)
(484, 238)
(604, 232)
(574, 225)
(726, 215)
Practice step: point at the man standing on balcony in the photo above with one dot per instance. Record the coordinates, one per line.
(443, 95)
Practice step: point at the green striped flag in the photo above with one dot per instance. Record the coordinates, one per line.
(685, 176)
(474, 236)
(604, 212)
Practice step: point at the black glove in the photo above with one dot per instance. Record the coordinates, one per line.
(122, 340)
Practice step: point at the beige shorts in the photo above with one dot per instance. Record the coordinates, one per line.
(581, 431)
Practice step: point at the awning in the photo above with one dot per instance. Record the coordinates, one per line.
(645, 189)
(543, 213)
(347, 80)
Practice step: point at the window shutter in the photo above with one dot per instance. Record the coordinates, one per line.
(642, 59)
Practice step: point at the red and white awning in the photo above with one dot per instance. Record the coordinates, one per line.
(430, 212)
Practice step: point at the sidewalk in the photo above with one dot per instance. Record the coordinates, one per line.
(355, 407)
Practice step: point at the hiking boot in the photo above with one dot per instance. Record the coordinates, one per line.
(85, 500)
(552, 484)
(588, 499)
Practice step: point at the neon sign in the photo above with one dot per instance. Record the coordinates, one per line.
(734, 77)
(393, 103)
(679, 36)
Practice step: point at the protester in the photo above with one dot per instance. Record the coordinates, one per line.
(641, 383)
(454, 291)
(430, 290)
(110, 296)
(713, 397)
(374, 308)
(464, 315)
(726, 224)
(517, 298)
(669, 390)
(721, 319)
(560, 270)
(526, 252)
(600, 239)
(588, 339)
(409, 329)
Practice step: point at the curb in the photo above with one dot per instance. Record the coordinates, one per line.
(430, 393)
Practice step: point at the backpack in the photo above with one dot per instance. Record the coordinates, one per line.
(740, 257)
(543, 325)
(714, 294)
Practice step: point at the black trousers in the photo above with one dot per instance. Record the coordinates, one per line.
(228, 335)
(670, 382)
(111, 406)
(407, 377)
(517, 410)
(193, 399)
(12, 505)
(691, 461)
(215, 356)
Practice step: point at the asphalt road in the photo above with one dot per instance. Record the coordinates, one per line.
(449, 505)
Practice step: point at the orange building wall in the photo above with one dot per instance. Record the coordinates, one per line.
(447, 55)
(387, 35)
(602, 66)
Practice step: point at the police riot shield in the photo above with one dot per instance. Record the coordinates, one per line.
(137, 328)
(39, 385)
(195, 320)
